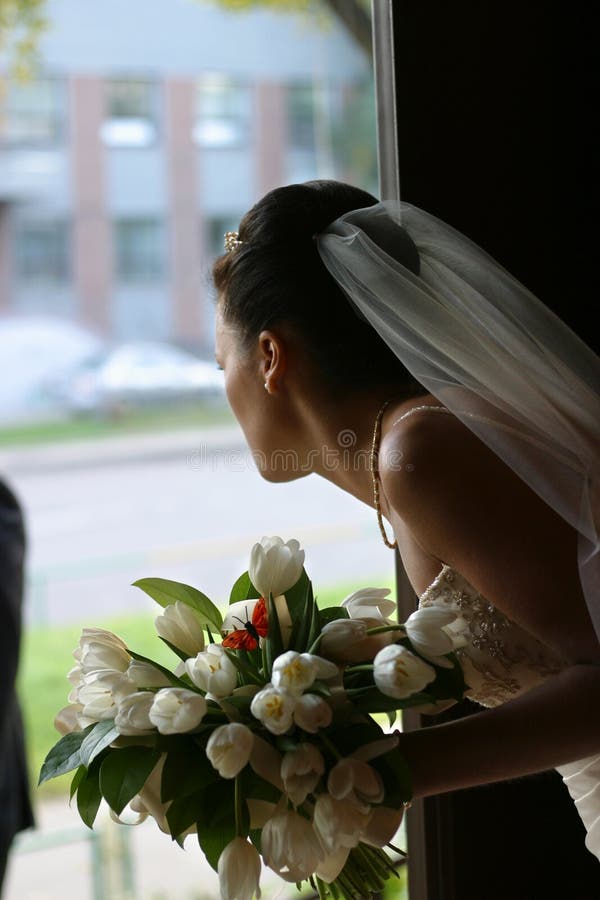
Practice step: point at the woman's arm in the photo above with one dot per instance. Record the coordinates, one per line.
(554, 723)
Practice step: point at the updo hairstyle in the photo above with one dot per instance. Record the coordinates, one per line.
(276, 276)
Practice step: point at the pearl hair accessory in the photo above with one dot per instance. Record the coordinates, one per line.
(232, 240)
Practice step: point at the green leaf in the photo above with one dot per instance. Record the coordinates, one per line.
(166, 592)
(101, 735)
(88, 793)
(186, 770)
(274, 633)
(395, 773)
(243, 589)
(180, 653)
(76, 781)
(64, 756)
(256, 788)
(184, 811)
(124, 772)
(297, 599)
(216, 821)
(449, 683)
(331, 613)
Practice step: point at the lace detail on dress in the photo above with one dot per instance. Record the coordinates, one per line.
(500, 659)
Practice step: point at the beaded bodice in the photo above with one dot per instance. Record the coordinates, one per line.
(500, 659)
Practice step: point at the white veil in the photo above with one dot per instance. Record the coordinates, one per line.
(489, 350)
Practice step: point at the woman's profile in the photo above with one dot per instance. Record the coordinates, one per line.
(474, 415)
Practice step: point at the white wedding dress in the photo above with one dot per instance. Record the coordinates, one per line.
(500, 661)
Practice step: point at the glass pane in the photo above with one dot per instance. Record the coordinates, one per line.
(41, 252)
(139, 249)
(32, 112)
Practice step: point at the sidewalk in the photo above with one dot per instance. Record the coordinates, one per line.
(106, 451)
(63, 860)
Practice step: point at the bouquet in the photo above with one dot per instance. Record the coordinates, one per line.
(261, 740)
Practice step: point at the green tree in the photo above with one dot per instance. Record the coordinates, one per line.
(21, 24)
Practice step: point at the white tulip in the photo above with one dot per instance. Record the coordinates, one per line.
(145, 675)
(346, 640)
(265, 760)
(355, 780)
(382, 826)
(212, 671)
(274, 707)
(70, 719)
(370, 603)
(300, 770)
(332, 865)
(429, 634)
(295, 672)
(312, 712)
(181, 627)
(290, 846)
(399, 673)
(133, 714)
(339, 823)
(100, 694)
(100, 650)
(177, 710)
(147, 802)
(229, 748)
(275, 566)
(239, 870)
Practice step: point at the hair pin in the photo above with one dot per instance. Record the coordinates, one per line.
(232, 240)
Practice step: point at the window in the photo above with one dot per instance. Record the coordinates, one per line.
(131, 113)
(139, 250)
(32, 113)
(41, 252)
(301, 117)
(222, 112)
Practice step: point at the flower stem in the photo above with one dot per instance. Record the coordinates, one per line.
(330, 746)
(365, 667)
(239, 818)
(315, 644)
(381, 629)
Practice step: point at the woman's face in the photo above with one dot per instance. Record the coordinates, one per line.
(261, 411)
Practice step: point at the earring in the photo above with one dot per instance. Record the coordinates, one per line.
(266, 385)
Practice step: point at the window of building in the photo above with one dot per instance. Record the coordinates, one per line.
(131, 113)
(140, 254)
(223, 112)
(41, 251)
(301, 117)
(32, 113)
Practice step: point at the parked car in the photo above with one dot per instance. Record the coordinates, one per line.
(33, 349)
(137, 374)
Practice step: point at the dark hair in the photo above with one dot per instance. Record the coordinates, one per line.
(277, 276)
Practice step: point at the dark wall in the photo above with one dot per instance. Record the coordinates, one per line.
(495, 122)
(496, 117)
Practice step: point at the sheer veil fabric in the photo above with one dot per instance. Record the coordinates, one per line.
(488, 349)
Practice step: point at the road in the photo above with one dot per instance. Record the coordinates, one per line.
(186, 505)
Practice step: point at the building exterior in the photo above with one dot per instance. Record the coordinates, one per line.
(149, 128)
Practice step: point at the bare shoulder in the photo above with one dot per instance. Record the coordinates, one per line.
(464, 506)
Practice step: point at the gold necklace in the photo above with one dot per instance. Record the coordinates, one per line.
(375, 474)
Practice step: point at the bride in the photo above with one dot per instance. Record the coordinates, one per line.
(473, 421)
